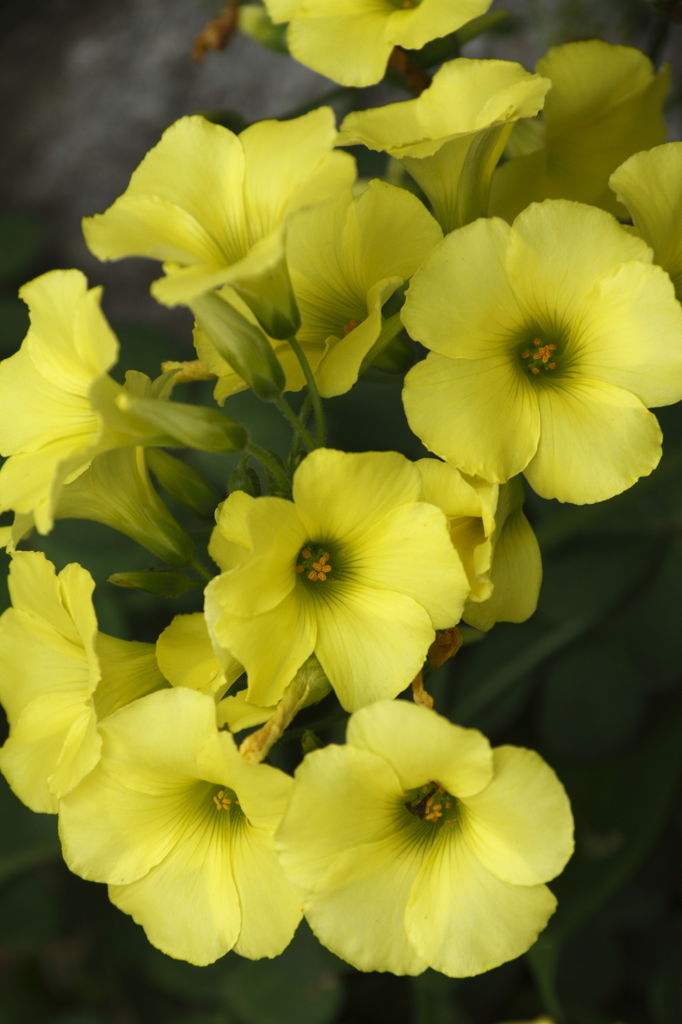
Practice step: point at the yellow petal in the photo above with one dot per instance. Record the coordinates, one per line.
(186, 656)
(478, 414)
(422, 746)
(129, 670)
(370, 643)
(559, 277)
(409, 552)
(339, 495)
(520, 826)
(462, 303)
(596, 440)
(271, 907)
(649, 185)
(462, 920)
(271, 646)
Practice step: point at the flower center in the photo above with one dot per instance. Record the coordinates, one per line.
(313, 563)
(539, 357)
(431, 802)
(226, 800)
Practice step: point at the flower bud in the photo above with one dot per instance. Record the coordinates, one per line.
(241, 344)
(244, 479)
(192, 425)
(163, 582)
(183, 483)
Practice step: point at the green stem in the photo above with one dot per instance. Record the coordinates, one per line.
(201, 569)
(303, 416)
(312, 388)
(289, 415)
(266, 459)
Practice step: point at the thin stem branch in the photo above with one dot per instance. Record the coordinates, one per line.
(291, 417)
(312, 389)
(303, 414)
(269, 463)
(201, 569)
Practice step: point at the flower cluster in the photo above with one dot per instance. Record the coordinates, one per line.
(551, 330)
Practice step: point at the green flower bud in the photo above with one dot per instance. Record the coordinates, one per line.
(244, 479)
(241, 344)
(116, 490)
(192, 425)
(163, 582)
(183, 483)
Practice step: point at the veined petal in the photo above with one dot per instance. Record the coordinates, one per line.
(516, 576)
(263, 791)
(422, 747)
(462, 920)
(596, 440)
(186, 656)
(52, 746)
(649, 185)
(230, 541)
(476, 413)
(370, 643)
(358, 909)
(520, 826)
(267, 576)
(629, 333)
(198, 168)
(557, 249)
(461, 302)
(366, 792)
(409, 551)
(271, 646)
(271, 907)
(341, 494)
(129, 670)
(324, 44)
(188, 904)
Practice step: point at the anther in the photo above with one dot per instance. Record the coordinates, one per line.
(534, 369)
(353, 324)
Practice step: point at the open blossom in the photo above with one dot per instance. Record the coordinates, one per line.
(649, 184)
(427, 848)
(606, 102)
(351, 40)
(451, 137)
(181, 827)
(59, 677)
(550, 340)
(212, 205)
(357, 569)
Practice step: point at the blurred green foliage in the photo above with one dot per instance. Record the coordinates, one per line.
(593, 681)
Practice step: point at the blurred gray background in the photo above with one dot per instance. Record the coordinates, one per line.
(88, 86)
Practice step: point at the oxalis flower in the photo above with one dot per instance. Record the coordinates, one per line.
(181, 827)
(350, 41)
(427, 848)
(59, 677)
(357, 569)
(549, 341)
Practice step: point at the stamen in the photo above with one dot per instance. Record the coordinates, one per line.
(353, 324)
(315, 566)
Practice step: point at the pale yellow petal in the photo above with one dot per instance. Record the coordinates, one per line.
(422, 746)
(462, 920)
(409, 551)
(271, 906)
(350, 49)
(129, 670)
(370, 643)
(339, 495)
(649, 185)
(478, 414)
(186, 657)
(271, 646)
(520, 826)
(596, 440)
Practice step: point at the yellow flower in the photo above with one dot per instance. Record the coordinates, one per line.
(451, 137)
(58, 678)
(494, 540)
(605, 104)
(650, 185)
(212, 205)
(357, 569)
(50, 428)
(350, 41)
(186, 657)
(419, 846)
(346, 257)
(181, 827)
(550, 339)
